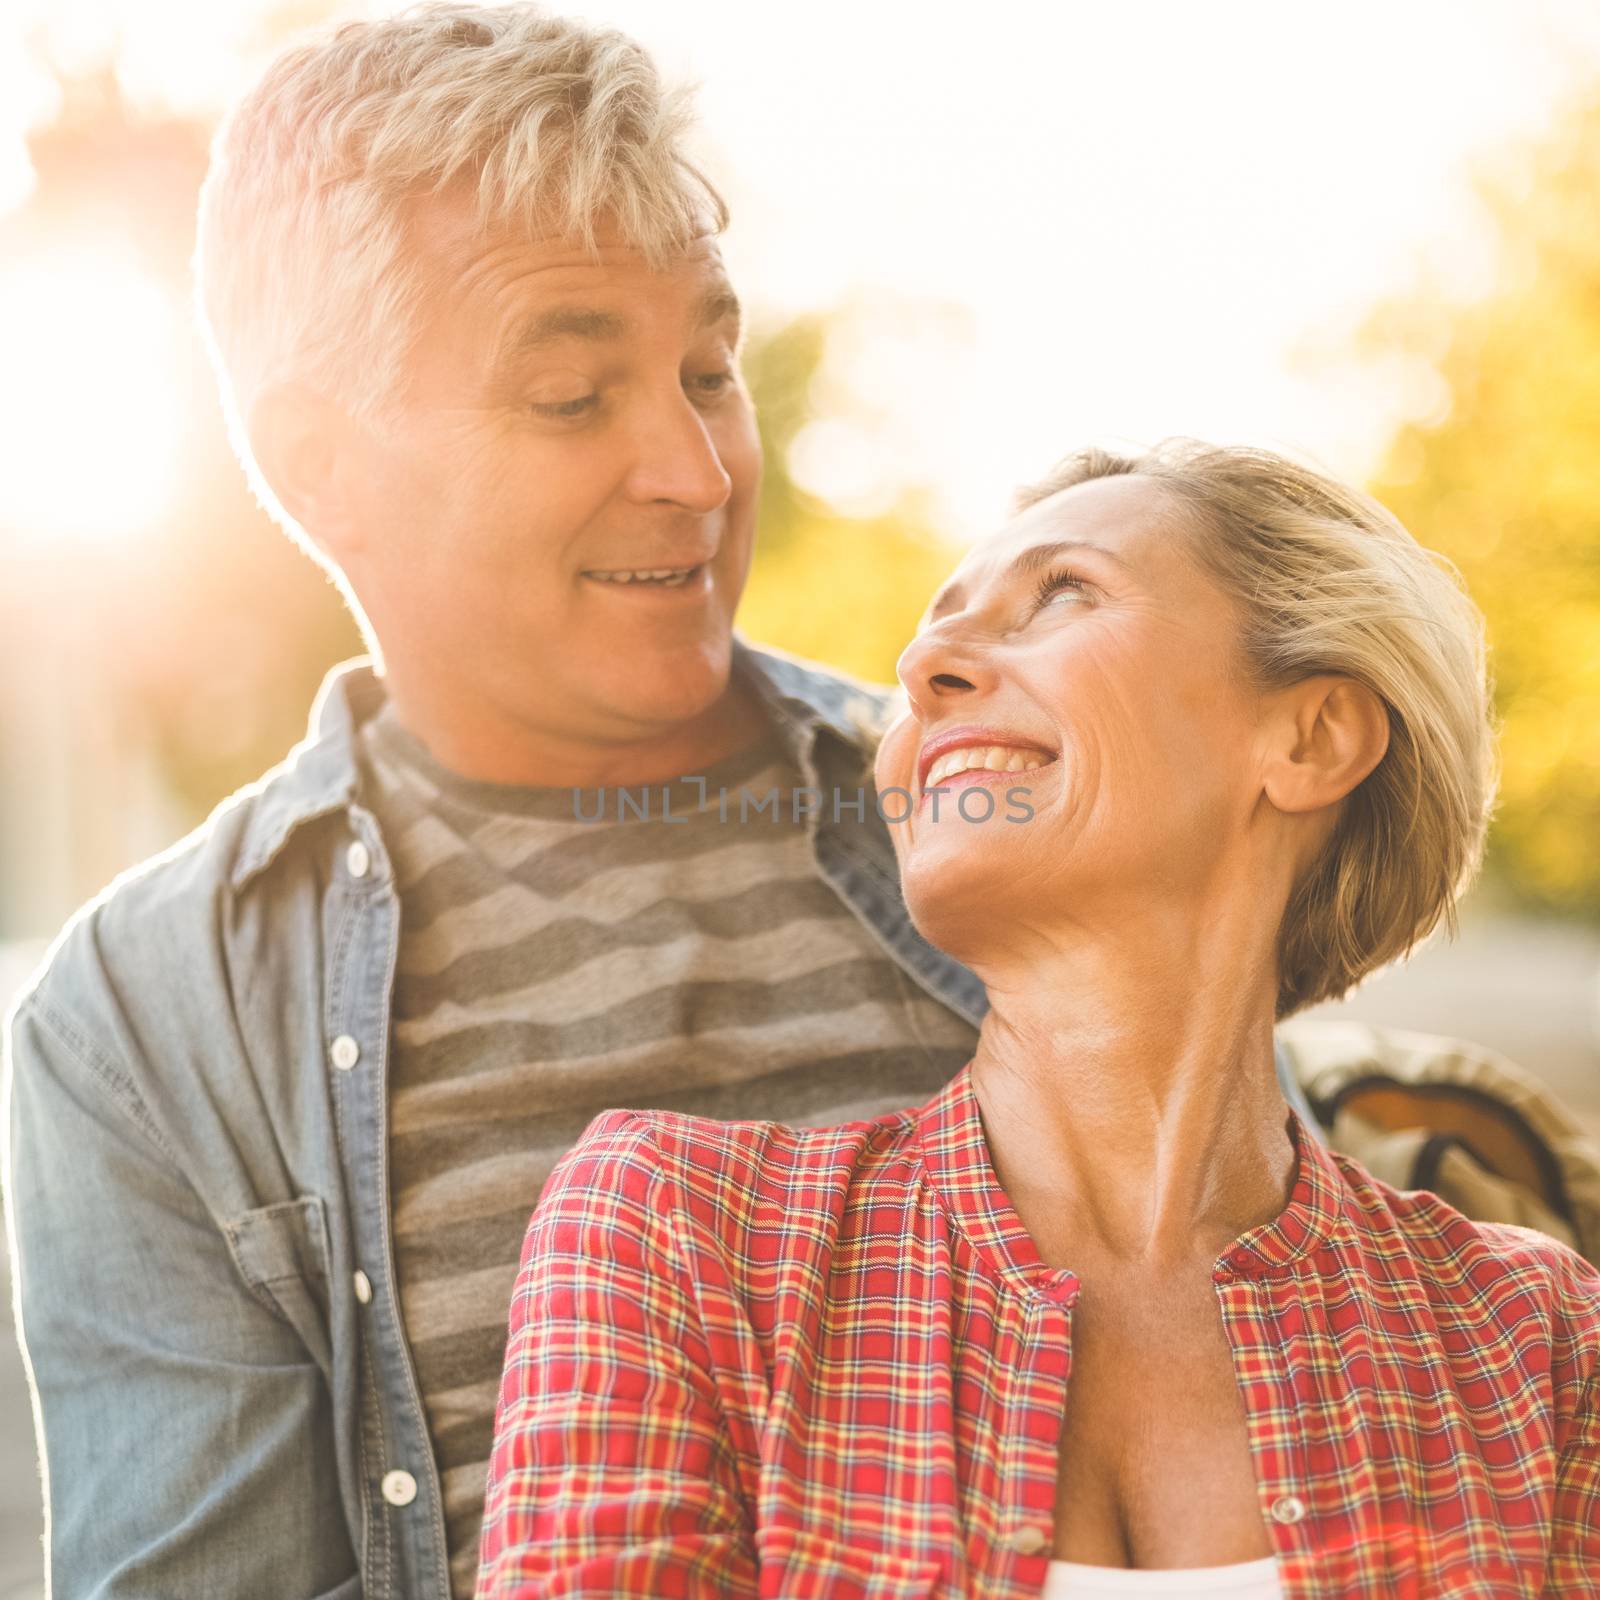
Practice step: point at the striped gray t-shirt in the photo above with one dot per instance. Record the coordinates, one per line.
(552, 968)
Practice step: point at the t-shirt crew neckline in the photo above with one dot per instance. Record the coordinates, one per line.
(676, 797)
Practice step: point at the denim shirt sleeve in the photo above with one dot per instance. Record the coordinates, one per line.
(184, 1427)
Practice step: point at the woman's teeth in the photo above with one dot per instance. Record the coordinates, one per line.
(668, 577)
(994, 757)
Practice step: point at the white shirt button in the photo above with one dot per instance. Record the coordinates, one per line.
(345, 1052)
(399, 1487)
(358, 859)
(363, 1287)
(1288, 1508)
(1028, 1540)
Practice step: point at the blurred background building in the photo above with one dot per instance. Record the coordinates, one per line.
(1369, 235)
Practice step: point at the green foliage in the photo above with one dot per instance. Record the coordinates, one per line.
(843, 590)
(1508, 485)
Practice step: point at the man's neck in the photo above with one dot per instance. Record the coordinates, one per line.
(497, 749)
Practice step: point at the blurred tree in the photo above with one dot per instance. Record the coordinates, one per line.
(846, 590)
(210, 632)
(1504, 477)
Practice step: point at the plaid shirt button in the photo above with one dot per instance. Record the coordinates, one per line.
(1027, 1540)
(1288, 1508)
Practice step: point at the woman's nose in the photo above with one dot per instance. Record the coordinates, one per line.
(938, 670)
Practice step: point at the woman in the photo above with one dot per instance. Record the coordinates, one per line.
(1102, 1317)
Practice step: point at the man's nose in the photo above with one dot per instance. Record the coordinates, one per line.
(939, 668)
(676, 459)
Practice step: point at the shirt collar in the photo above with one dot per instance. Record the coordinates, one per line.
(800, 699)
(949, 1132)
(320, 775)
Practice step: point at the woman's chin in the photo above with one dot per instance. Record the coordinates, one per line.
(958, 880)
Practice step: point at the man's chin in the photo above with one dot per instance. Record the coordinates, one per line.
(658, 695)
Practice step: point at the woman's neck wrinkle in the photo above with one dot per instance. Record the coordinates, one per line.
(1146, 1140)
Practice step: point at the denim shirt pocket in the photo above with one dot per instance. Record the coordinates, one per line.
(281, 1252)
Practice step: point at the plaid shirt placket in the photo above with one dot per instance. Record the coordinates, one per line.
(750, 1361)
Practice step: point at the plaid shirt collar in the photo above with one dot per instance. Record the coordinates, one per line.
(956, 1155)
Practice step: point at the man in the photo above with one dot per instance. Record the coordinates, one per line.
(284, 1097)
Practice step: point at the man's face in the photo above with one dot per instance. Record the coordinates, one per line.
(570, 425)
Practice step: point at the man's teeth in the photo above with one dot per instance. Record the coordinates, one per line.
(669, 576)
(995, 757)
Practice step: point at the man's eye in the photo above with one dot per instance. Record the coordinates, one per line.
(1054, 583)
(710, 385)
(565, 410)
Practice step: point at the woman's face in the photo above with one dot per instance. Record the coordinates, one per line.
(1083, 649)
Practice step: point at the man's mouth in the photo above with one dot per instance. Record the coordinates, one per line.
(650, 577)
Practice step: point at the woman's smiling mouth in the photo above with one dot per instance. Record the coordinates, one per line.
(983, 761)
(977, 755)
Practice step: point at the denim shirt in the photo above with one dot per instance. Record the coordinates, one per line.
(197, 1178)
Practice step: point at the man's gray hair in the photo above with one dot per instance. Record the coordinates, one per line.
(304, 263)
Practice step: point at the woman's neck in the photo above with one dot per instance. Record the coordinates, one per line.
(1130, 1099)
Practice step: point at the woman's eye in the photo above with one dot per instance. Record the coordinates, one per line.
(1054, 583)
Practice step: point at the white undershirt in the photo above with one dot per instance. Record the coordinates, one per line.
(1242, 1580)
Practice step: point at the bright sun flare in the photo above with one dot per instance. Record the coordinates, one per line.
(90, 410)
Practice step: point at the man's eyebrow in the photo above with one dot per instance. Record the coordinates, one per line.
(561, 322)
(1032, 560)
(584, 322)
(720, 305)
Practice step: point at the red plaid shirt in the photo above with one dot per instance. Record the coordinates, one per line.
(827, 1364)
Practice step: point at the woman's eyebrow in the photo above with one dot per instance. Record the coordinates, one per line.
(1038, 556)
(1030, 561)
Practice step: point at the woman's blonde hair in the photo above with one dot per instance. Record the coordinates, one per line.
(1327, 581)
(303, 262)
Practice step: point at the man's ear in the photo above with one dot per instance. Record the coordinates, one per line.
(309, 451)
(1326, 734)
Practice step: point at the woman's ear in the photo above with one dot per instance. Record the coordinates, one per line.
(1325, 735)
